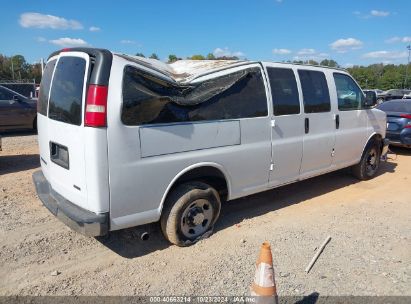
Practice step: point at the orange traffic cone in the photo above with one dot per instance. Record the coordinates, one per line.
(264, 281)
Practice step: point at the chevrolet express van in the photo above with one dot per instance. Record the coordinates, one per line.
(126, 141)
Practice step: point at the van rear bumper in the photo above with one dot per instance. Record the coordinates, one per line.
(78, 219)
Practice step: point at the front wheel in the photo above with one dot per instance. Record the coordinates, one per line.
(190, 213)
(367, 168)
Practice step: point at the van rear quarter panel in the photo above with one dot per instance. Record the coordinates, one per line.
(144, 161)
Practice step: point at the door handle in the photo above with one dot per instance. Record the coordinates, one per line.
(337, 121)
(307, 125)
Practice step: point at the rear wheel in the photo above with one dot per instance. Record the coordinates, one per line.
(190, 213)
(367, 168)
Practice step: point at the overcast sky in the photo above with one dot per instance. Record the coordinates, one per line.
(349, 31)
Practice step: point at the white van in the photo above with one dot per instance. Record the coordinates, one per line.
(126, 141)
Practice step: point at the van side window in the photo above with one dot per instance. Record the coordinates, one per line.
(148, 99)
(315, 91)
(350, 96)
(45, 87)
(284, 91)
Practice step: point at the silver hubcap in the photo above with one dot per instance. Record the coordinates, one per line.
(196, 218)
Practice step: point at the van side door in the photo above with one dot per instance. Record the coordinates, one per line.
(287, 125)
(351, 120)
(319, 129)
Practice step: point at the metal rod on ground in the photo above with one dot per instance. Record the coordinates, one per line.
(317, 254)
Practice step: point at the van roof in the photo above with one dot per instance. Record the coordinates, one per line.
(187, 70)
(181, 70)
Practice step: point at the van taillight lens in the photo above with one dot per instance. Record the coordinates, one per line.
(96, 106)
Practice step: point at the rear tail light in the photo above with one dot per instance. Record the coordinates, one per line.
(96, 106)
(408, 116)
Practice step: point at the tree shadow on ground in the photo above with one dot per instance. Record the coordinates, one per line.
(127, 242)
(21, 132)
(253, 206)
(16, 163)
(399, 151)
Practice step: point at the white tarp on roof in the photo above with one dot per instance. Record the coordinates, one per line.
(184, 70)
(187, 69)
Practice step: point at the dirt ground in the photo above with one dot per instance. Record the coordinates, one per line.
(369, 253)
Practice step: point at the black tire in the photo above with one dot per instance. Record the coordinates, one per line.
(186, 206)
(368, 166)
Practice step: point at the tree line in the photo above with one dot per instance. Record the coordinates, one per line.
(374, 76)
(16, 68)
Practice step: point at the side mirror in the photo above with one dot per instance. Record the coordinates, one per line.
(16, 98)
(370, 99)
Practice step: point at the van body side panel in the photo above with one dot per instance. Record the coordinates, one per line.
(138, 184)
(350, 137)
(96, 166)
(376, 123)
(188, 137)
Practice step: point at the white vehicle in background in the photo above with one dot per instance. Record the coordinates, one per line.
(125, 141)
(407, 96)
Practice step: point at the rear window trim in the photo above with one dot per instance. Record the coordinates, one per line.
(87, 58)
(55, 57)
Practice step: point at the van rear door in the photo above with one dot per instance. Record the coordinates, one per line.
(62, 133)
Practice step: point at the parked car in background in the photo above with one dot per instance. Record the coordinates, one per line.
(16, 110)
(398, 121)
(377, 91)
(392, 94)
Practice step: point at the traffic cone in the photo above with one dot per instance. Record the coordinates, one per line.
(264, 281)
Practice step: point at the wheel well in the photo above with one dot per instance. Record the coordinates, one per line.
(376, 138)
(207, 174)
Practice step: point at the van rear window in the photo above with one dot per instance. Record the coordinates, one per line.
(45, 87)
(67, 90)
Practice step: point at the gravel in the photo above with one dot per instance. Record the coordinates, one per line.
(369, 222)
